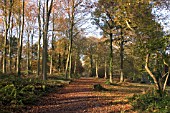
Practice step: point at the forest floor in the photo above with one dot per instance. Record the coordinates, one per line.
(80, 97)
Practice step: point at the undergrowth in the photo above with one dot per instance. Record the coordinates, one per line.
(15, 92)
(151, 102)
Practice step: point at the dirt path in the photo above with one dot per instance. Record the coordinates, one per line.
(79, 97)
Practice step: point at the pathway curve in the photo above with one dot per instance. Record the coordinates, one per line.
(79, 97)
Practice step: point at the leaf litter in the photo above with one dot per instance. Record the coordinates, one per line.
(80, 97)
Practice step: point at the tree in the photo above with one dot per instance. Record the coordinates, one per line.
(151, 42)
(45, 33)
(103, 51)
(7, 10)
(89, 51)
(71, 8)
(1, 50)
(39, 38)
(77, 53)
(21, 32)
(10, 35)
(30, 22)
(13, 52)
(58, 26)
(52, 47)
(103, 18)
(61, 51)
(75, 10)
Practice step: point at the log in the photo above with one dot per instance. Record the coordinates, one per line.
(98, 87)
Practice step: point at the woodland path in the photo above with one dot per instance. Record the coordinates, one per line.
(79, 97)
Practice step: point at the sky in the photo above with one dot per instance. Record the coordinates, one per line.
(92, 30)
(164, 18)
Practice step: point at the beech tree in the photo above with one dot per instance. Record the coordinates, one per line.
(7, 11)
(1, 50)
(58, 26)
(45, 33)
(75, 11)
(77, 52)
(30, 19)
(39, 35)
(89, 50)
(52, 46)
(61, 51)
(21, 32)
(103, 18)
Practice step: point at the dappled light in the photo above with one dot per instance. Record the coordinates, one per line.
(79, 96)
(92, 56)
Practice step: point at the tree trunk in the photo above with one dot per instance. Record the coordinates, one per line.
(70, 66)
(111, 58)
(51, 65)
(32, 51)
(52, 47)
(157, 84)
(7, 19)
(67, 64)
(39, 39)
(64, 60)
(91, 64)
(121, 57)
(10, 58)
(43, 29)
(105, 69)
(59, 63)
(71, 44)
(166, 79)
(75, 64)
(20, 42)
(97, 75)
(1, 63)
(44, 62)
(44, 51)
(15, 64)
(5, 51)
(71, 15)
(28, 53)
(45, 41)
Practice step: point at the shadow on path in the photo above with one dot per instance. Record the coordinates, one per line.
(79, 97)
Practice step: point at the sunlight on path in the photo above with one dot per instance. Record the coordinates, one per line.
(79, 97)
